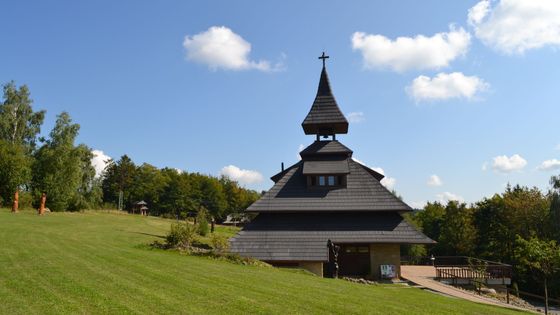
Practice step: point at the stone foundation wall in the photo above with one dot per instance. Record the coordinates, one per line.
(315, 267)
(384, 254)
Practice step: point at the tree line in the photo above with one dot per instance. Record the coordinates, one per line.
(32, 165)
(520, 227)
(173, 193)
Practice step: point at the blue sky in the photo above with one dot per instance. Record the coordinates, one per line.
(445, 88)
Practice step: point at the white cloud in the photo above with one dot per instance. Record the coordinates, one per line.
(445, 86)
(219, 47)
(549, 165)
(478, 12)
(99, 161)
(388, 182)
(360, 161)
(514, 26)
(417, 204)
(447, 196)
(356, 117)
(405, 53)
(240, 175)
(434, 180)
(300, 148)
(506, 164)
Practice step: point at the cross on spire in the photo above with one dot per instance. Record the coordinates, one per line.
(323, 57)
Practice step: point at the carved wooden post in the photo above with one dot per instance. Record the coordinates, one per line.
(15, 205)
(42, 206)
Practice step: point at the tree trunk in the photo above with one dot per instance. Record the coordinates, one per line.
(545, 298)
(15, 205)
(42, 205)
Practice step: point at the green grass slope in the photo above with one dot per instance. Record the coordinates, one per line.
(99, 263)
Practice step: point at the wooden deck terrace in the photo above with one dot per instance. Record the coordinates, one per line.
(462, 270)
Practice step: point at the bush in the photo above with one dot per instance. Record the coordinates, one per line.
(182, 235)
(25, 200)
(202, 222)
(219, 243)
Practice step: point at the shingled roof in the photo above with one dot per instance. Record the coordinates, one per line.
(325, 167)
(325, 118)
(303, 236)
(363, 192)
(324, 148)
(297, 217)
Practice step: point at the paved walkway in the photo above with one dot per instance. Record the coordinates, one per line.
(424, 276)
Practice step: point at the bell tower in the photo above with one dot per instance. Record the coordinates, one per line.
(325, 118)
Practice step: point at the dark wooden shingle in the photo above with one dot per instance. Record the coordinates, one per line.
(325, 167)
(303, 236)
(363, 192)
(325, 117)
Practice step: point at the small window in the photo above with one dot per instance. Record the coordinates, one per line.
(363, 249)
(326, 181)
(341, 180)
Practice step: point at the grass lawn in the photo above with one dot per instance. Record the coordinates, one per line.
(98, 262)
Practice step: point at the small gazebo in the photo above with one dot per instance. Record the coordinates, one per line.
(141, 206)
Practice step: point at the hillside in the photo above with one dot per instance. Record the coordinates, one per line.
(99, 262)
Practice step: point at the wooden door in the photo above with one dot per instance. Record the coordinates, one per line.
(354, 260)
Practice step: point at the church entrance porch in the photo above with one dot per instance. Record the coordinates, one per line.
(368, 261)
(354, 260)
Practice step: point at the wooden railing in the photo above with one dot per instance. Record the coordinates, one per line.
(471, 268)
(463, 267)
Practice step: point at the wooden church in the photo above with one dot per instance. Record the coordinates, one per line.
(328, 213)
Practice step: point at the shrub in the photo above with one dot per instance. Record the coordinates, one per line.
(219, 243)
(181, 235)
(202, 222)
(25, 200)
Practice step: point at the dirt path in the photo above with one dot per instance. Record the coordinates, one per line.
(424, 276)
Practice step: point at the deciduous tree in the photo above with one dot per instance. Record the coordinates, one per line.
(458, 234)
(19, 124)
(60, 168)
(15, 169)
(540, 257)
(19, 127)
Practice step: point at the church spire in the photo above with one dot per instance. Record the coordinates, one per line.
(324, 118)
